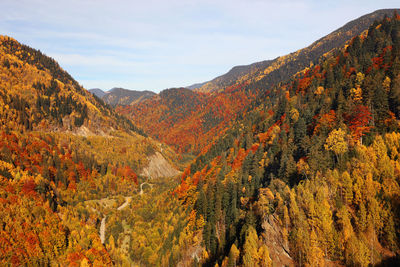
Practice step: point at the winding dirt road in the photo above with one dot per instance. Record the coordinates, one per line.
(141, 187)
(103, 221)
(103, 229)
(127, 201)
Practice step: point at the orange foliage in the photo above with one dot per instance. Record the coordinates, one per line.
(304, 84)
(325, 120)
(358, 121)
(127, 173)
(28, 187)
(237, 163)
(187, 120)
(254, 147)
(287, 95)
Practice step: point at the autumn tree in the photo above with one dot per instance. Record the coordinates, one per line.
(337, 142)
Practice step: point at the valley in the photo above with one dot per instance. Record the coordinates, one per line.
(286, 162)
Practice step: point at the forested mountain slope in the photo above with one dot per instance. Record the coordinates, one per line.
(193, 120)
(282, 68)
(297, 171)
(38, 95)
(60, 147)
(311, 175)
(185, 119)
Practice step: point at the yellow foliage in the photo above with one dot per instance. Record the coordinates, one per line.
(386, 84)
(85, 263)
(356, 94)
(337, 142)
(359, 79)
(319, 90)
(294, 114)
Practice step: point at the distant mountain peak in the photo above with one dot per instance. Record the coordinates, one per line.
(98, 92)
(121, 96)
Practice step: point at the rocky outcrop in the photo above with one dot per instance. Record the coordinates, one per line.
(159, 167)
(276, 242)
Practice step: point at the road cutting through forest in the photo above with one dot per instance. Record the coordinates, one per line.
(103, 221)
(102, 231)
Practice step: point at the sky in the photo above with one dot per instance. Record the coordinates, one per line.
(155, 44)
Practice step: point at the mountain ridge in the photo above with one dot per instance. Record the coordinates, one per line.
(261, 68)
(97, 92)
(46, 97)
(301, 170)
(121, 96)
(221, 105)
(62, 151)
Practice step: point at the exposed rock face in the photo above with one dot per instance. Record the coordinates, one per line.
(277, 245)
(159, 167)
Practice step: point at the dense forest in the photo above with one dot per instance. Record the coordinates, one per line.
(311, 175)
(189, 121)
(294, 164)
(63, 152)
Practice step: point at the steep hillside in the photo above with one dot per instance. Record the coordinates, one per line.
(311, 175)
(60, 147)
(37, 94)
(303, 170)
(97, 92)
(195, 86)
(121, 96)
(282, 68)
(195, 119)
(188, 120)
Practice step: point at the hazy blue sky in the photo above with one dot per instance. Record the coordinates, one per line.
(154, 44)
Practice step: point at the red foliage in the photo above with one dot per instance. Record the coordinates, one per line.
(83, 173)
(285, 127)
(237, 163)
(3, 201)
(187, 120)
(271, 112)
(351, 71)
(182, 189)
(287, 95)
(196, 177)
(265, 136)
(75, 257)
(186, 173)
(324, 120)
(15, 260)
(32, 240)
(28, 188)
(10, 189)
(128, 174)
(390, 120)
(254, 147)
(358, 120)
(72, 185)
(303, 84)
(377, 62)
